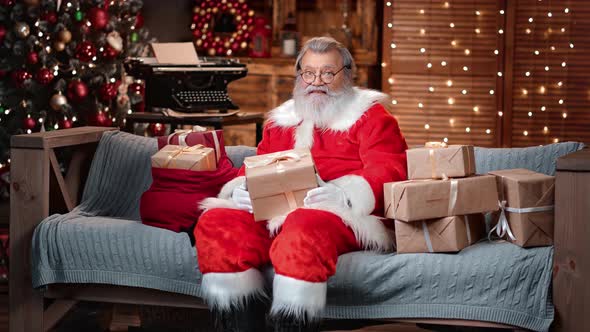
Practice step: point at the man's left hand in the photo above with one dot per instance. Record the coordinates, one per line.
(326, 195)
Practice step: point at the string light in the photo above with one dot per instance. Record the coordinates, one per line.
(431, 89)
(530, 114)
(477, 30)
(464, 91)
(452, 25)
(499, 74)
(545, 130)
(429, 65)
(449, 83)
(477, 13)
(422, 50)
(393, 45)
(451, 100)
(452, 122)
(394, 102)
(528, 31)
(391, 80)
(420, 105)
(567, 10)
(467, 51)
(476, 109)
(488, 131)
(496, 52)
(549, 14)
(500, 113)
(527, 74)
(427, 126)
(525, 133)
(492, 92)
(564, 115)
(561, 102)
(467, 129)
(465, 68)
(443, 63)
(543, 108)
(501, 11)
(560, 83)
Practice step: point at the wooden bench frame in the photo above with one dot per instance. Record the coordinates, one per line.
(35, 167)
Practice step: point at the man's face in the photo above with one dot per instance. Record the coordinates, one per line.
(319, 63)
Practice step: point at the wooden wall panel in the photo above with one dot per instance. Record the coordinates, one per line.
(551, 36)
(440, 71)
(531, 104)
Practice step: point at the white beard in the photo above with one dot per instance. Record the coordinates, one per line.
(319, 109)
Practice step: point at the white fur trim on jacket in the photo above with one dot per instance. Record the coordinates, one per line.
(223, 199)
(351, 108)
(302, 300)
(368, 230)
(226, 291)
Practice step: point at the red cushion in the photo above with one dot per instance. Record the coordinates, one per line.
(172, 200)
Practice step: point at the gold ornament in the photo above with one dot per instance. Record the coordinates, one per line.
(251, 13)
(59, 46)
(64, 36)
(215, 10)
(226, 44)
(196, 10)
(203, 12)
(22, 29)
(232, 11)
(239, 18)
(244, 45)
(211, 51)
(217, 39)
(57, 101)
(115, 40)
(199, 42)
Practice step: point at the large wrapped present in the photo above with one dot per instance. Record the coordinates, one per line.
(278, 182)
(428, 199)
(438, 161)
(195, 136)
(447, 234)
(526, 217)
(194, 158)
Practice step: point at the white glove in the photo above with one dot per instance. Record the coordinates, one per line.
(325, 196)
(241, 197)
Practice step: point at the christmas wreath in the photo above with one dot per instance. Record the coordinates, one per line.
(222, 27)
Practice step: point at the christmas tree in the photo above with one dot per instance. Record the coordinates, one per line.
(61, 64)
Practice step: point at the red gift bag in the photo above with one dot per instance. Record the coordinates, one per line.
(172, 201)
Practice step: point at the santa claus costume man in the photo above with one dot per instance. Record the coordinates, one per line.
(357, 146)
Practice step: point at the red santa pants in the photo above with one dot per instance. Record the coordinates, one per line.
(232, 248)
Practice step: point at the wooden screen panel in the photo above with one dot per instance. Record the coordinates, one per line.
(567, 121)
(444, 112)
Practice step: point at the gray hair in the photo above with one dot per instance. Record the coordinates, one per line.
(325, 45)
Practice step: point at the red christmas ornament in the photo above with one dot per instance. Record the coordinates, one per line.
(44, 76)
(29, 123)
(138, 21)
(109, 53)
(2, 33)
(84, 28)
(32, 58)
(7, 3)
(108, 91)
(65, 123)
(50, 17)
(98, 17)
(19, 77)
(85, 51)
(77, 91)
(100, 118)
(157, 129)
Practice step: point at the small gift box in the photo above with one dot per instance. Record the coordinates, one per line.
(427, 199)
(278, 182)
(527, 215)
(194, 158)
(195, 136)
(438, 161)
(449, 234)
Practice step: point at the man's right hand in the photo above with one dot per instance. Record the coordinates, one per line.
(241, 197)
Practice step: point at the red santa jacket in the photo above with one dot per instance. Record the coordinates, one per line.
(361, 149)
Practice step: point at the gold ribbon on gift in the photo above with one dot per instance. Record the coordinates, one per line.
(279, 168)
(183, 133)
(194, 150)
(431, 146)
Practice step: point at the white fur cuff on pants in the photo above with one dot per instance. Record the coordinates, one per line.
(224, 291)
(302, 300)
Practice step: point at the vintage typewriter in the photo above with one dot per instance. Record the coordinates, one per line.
(190, 88)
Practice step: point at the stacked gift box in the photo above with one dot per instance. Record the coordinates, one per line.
(440, 208)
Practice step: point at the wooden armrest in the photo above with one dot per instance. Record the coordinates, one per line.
(58, 138)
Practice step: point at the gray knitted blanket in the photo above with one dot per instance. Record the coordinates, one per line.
(102, 241)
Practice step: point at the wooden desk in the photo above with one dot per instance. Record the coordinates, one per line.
(215, 121)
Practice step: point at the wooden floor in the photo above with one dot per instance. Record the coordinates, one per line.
(96, 317)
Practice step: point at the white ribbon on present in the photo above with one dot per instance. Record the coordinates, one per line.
(453, 196)
(467, 228)
(427, 236)
(502, 227)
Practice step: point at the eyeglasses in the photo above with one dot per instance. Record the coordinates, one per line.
(327, 77)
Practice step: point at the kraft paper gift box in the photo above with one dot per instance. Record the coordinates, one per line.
(449, 234)
(528, 198)
(438, 161)
(428, 199)
(278, 182)
(194, 158)
(195, 136)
